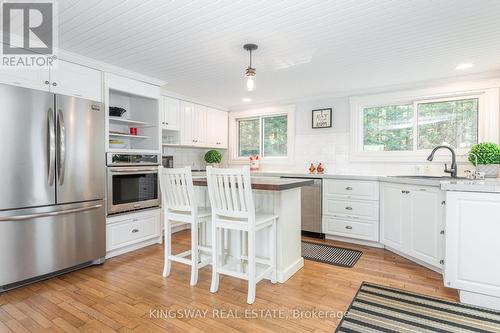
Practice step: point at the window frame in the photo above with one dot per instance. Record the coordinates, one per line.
(236, 116)
(487, 94)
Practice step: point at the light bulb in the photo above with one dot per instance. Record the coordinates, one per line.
(250, 83)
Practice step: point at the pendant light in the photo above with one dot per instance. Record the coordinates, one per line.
(250, 71)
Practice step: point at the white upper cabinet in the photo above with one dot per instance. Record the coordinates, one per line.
(199, 125)
(170, 118)
(131, 86)
(411, 219)
(75, 80)
(67, 79)
(217, 128)
(186, 120)
(32, 78)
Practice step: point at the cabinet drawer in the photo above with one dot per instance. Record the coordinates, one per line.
(131, 231)
(346, 228)
(367, 190)
(360, 209)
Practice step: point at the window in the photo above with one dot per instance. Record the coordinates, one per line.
(449, 122)
(388, 128)
(266, 136)
(421, 125)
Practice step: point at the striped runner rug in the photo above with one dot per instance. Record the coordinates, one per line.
(382, 309)
(328, 254)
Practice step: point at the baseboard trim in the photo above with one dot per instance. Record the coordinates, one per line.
(288, 272)
(485, 301)
(415, 260)
(133, 247)
(355, 241)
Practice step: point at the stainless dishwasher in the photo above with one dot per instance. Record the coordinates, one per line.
(311, 208)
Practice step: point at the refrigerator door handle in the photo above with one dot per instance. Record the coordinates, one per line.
(62, 146)
(38, 215)
(52, 147)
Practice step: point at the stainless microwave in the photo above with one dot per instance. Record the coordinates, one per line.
(132, 188)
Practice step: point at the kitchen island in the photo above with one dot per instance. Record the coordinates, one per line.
(280, 197)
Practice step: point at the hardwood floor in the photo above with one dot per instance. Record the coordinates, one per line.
(128, 294)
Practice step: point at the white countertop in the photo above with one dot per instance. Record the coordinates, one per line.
(491, 185)
(313, 175)
(488, 185)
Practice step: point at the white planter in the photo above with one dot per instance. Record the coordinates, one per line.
(490, 170)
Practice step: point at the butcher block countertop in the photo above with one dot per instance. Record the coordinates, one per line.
(267, 183)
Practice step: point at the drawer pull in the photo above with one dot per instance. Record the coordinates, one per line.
(348, 227)
(134, 231)
(348, 188)
(348, 208)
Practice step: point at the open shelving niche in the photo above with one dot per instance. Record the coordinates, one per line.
(142, 113)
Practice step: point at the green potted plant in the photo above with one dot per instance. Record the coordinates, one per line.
(213, 157)
(486, 158)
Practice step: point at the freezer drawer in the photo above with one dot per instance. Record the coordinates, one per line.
(40, 241)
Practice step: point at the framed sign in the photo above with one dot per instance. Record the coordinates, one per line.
(322, 118)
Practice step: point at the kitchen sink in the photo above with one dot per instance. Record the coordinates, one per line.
(429, 177)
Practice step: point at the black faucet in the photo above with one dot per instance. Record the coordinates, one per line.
(453, 170)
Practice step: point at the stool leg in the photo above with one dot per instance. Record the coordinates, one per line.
(194, 252)
(168, 246)
(238, 250)
(273, 252)
(215, 253)
(251, 267)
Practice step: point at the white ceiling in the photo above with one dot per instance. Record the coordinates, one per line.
(306, 48)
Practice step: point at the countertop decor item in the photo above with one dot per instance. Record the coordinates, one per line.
(254, 162)
(213, 157)
(322, 118)
(312, 168)
(320, 168)
(486, 157)
(115, 111)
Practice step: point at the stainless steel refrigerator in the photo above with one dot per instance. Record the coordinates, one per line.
(52, 172)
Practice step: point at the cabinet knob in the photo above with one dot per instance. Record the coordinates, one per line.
(348, 188)
(54, 84)
(134, 231)
(46, 82)
(348, 227)
(348, 208)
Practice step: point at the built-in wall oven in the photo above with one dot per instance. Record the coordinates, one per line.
(132, 182)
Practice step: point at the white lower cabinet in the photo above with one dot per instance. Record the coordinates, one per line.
(351, 228)
(351, 209)
(125, 233)
(472, 250)
(412, 221)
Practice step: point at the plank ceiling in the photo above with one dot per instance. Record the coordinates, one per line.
(306, 47)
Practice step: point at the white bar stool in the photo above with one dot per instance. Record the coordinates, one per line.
(180, 205)
(233, 208)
